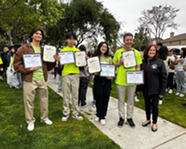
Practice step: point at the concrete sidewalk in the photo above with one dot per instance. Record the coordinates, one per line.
(168, 136)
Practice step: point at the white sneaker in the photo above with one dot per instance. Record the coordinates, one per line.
(177, 94)
(65, 118)
(96, 119)
(181, 95)
(170, 91)
(30, 127)
(136, 99)
(48, 122)
(160, 102)
(102, 121)
(78, 117)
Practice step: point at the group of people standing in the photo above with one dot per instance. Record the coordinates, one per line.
(34, 80)
(7, 69)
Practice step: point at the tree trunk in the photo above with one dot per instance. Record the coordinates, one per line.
(10, 36)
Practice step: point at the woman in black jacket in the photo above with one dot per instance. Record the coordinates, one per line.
(154, 85)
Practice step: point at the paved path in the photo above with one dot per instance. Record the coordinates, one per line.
(168, 136)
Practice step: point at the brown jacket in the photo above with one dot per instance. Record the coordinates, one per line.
(19, 64)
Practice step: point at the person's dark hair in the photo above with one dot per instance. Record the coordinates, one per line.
(82, 48)
(70, 35)
(146, 51)
(90, 54)
(136, 48)
(34, 30)
(143, 48)
(160, 44)
(163, 52)
(98, 52)
(184, 52)
(127, 34)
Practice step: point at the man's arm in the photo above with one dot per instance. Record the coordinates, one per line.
(18, 63)
(119, 63)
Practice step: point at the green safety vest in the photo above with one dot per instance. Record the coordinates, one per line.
(12, 61)
(1, 62)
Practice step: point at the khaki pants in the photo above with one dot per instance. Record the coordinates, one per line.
(70, 84)
(121, 89)
(29, 89)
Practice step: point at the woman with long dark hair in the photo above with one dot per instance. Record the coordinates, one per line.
(102, 85)
(154, 85)
(180, 74)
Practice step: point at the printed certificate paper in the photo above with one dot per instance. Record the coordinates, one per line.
(48, 53)
(66, 57)
(32, 60)
(94, 64)
(80, 60)
(107, 70)
(129, 59)
(134, 77)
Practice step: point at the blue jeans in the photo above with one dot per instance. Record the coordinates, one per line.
(18, 76)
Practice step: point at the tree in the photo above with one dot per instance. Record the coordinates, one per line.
(141, 38)
(18, 20)
(158, 19)
(88, 19)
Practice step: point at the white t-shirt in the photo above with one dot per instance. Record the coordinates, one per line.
(180, 65)
(172, 58)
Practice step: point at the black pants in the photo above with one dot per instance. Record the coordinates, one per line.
(102, 88)
(83, 85)
(151, 102)
(170, 80)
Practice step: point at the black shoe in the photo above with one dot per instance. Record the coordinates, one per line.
(130, 122)
(120, 123)
(184, 105)
(146, 124)
(154, 129)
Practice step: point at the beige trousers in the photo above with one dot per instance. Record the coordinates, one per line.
(121, 89)
(29, 89)
(70, 85)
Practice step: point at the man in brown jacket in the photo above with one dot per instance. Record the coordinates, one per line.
(34, 79)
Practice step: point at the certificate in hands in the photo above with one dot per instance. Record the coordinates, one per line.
(32, 60)
(48, 53)
(134, 77)
(66, 57)
(129, 59)
(107, 70)
(94, 64)
(80, 60)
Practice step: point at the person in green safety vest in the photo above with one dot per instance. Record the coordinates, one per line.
(1, 68)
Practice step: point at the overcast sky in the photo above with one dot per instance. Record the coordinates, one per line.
(129, 11)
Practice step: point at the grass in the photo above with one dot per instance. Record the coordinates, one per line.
(71, 134)
(171, 109)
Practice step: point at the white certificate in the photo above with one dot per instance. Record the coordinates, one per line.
(134, 77)
(93, 64)
(66, 57)
(80, 59)
(32, 60)
(129, 59)
(48, 53)
(107, 70)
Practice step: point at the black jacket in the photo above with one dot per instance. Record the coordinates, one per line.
(155, 78)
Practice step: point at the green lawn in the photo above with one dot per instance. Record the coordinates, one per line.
(171, 109)
(71, 134)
